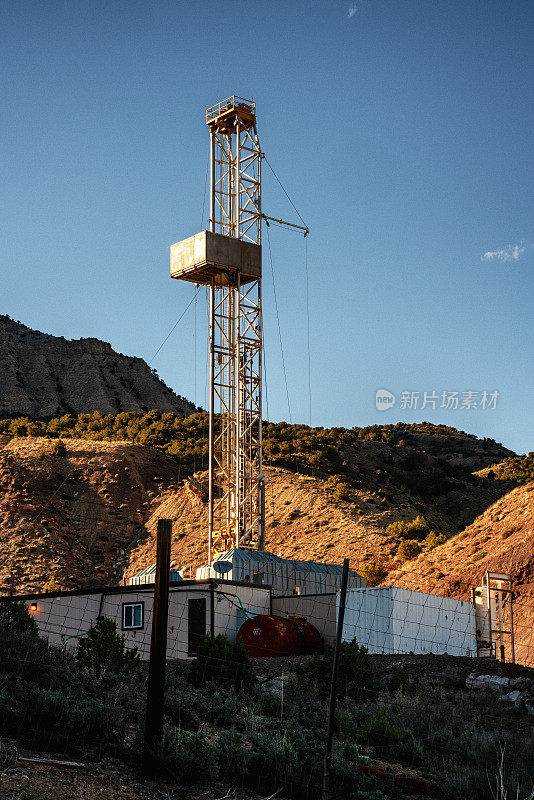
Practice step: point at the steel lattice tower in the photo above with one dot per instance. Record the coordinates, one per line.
(227, 258)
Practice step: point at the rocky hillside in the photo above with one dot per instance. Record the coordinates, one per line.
(499, 540)
(87, 515)
(42, 376)
(400, 501)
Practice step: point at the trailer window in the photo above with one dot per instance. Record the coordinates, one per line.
(132, 616)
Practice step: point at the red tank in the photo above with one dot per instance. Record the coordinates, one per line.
(279, 636)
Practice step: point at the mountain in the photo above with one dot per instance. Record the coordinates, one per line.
(43, 376)
(87, 515)
(499, 540)
(421, 506)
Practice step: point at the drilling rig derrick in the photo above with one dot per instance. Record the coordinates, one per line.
(227, 259)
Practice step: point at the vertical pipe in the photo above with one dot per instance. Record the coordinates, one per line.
(261, 543)
(488, 600)
(512, 643)
(260, 363)
(237, 184)
(474, 603)
(212, 172)
(212, 609)
(333, 685)
(231, 187)
(501, 631)
(211, 471)
(158, 652)
(238, 399)
(231, 445)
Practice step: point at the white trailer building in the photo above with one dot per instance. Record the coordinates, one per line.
(196, 608)
(387, 619)
(384, 619)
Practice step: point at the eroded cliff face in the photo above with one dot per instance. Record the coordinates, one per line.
(500, 540)
(44, 376)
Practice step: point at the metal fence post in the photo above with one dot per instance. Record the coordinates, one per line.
(333, 685)
(158, 651)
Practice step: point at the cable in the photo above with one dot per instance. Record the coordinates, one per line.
(188, 306)
(279, 330)
(284, 191)
(195, 353)
(204, 198)
(268, 437)
(308, 330)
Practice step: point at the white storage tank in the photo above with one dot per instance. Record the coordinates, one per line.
(283, 575)
(387, 619)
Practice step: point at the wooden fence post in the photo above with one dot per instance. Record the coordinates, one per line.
(158, 651)
(333, 685)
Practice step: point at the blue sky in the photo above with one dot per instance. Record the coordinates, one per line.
(402, 130)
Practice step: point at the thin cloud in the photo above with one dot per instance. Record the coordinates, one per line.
(511, 253)
(352, 12)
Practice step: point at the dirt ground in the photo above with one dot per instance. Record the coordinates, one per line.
(97, 780)
(421, 667)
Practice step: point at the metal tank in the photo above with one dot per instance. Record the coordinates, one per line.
(269, 636)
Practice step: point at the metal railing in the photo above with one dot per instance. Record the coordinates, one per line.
(227, 105)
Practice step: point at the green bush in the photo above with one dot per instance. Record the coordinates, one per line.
(188, 757)
(397, 528)
(417, 527)
(355, 673)
(221, 662)
(434, 540)
(48, 701)
(379, 732)
(16, 619)
(402, 682)
(342, 492)
(59, 448)
(374, 573)
(103, 649)
(519, 469)
(408, 549)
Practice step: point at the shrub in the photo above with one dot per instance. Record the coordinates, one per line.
(434, 540)
(408, 549)
(355, 673)
(103, 649)
(342, 492)
(51, 587)
(401, 681)
(59, 448)
(221, 662)
(397, 528)
(188, 757)
(48, 701)
(374, 573)
(417, 527)
(15, 619)
(379, 732)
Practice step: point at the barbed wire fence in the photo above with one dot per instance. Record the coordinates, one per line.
(55, 699)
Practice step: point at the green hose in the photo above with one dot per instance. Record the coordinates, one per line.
(243, 609)
(245, 612)
(73, 636)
